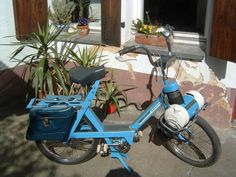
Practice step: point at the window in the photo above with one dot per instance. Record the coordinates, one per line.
(184, 15)
(104, 20)
(104, 23)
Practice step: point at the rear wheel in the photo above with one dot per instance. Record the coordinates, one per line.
(74, 152)
(202, 147)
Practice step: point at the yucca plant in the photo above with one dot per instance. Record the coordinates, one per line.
(109, 94)
(46, 65)
(87, 57)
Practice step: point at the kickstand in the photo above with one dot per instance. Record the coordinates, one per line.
(121, 157)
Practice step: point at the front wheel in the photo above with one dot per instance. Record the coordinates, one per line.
(202, 148)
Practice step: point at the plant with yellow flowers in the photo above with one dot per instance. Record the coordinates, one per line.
(147, 29)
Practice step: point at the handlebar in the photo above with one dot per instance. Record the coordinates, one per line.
(167, 33)
(127, 50)
(133, 48)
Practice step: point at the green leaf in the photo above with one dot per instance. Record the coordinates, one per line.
(17, 51)
(116, 102)
(40, 72)
(50, 82)
(36, 77)
(60, 78)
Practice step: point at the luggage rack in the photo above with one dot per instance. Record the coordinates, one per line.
(53, 100)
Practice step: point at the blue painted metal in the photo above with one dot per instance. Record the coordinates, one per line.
(181, 138)
(166, 82)
(170, 87)
(92, 117)
(147, 114)
(194, 107)
(62, 97)
(84, 110)
(30, 104)
(128, 135)
(118, 156)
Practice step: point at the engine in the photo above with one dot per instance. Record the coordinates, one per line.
(184, 108)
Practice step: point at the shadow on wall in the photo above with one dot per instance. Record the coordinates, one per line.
(218, 66)
(12, 90)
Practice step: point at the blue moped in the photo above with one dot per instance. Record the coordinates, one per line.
(68, 131)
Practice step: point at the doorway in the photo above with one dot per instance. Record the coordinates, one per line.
(184, 15)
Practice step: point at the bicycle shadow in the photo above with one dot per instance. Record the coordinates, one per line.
(122, 172)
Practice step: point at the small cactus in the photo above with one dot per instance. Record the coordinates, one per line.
(61, 11)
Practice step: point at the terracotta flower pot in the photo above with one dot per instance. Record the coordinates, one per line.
(159, 41)
(111, 108)
(83, 30)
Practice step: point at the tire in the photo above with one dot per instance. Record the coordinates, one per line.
(63, 153)
(192, 151)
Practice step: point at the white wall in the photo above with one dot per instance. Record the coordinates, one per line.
(8, 33)
(229, 79)
(7, 28)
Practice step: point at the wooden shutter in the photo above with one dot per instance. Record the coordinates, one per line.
(111, 22)
(223, 39)
(28, 14)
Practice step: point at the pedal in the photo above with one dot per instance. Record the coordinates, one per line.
(103, 149)
(140, 133)
(98, 148)
(137, 136)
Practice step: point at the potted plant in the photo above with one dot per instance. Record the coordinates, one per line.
(47, 73)
(87, 57)
(149, 34)
(110, 97)
(60, 14)
(83, 20)
(83, 26)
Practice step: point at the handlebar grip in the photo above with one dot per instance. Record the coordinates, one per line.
(127, 50)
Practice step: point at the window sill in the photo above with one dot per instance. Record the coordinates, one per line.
(184, 51)
(93, 38)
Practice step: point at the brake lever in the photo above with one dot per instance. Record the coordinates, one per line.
(120, 58)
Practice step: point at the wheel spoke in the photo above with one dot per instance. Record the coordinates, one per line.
(202, 146)
(197, 150)
(75, 151)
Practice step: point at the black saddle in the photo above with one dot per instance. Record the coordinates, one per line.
(84, 76)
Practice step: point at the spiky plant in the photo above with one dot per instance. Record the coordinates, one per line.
(46, 65)
(83, 5)
(61, 12)
(109, 93)
(87, 57)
